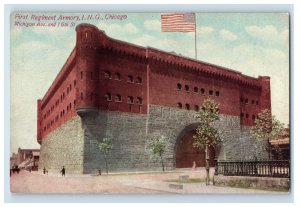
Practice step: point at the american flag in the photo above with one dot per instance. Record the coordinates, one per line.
(178, 22)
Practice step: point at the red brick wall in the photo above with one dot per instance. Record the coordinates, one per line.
(57, 108)
(82, 82)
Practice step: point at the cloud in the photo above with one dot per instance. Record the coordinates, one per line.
(227, 35)
(205, 30)
(152, 25)
(118, 29)
(268, 33)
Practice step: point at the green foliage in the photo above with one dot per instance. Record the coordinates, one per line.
(105, 146)
(268, 128)
(158, 148)
(206, 134)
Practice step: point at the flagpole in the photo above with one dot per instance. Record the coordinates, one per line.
(195, 37)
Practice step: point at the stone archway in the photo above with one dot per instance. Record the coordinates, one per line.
(186, 154)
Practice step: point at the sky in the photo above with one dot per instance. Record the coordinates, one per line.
(252, 43)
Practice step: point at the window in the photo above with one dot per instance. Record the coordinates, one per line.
(117, 76)
(196, 108)
(241, 99)
(139, 101)
(202, 91)
(118, 98)
(107, 75)
(253, 117)
(130, 100)
(179, 86)
(107, 97)
(81, 75)
(138, 80)
(196, 89)
(81, 96)
(246, 100)
(187, 88)
(179, 105)
(252, 102)
(74, 83)
(242, 115)
(256, 102)
(187, 106)
(129, 79)
(68, 90)
(70, 87)
(211, 92)
(247, 116)
(74, 103)
(217, 93)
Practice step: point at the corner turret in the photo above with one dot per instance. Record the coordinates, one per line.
(87, 69)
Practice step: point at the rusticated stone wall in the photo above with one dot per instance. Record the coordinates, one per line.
(75, 144)
(63, 147)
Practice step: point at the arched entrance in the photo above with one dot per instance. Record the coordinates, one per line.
(186, 154)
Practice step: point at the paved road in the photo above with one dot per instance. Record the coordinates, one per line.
(133, 183)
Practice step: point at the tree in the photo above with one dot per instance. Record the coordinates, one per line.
(206, 135)
(268, 128)
(105, 146)
(158, 148)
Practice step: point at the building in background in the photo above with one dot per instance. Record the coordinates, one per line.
(281, 147)
(131, 94)
(28, 158)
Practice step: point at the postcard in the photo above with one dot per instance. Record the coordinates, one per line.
(149, 103)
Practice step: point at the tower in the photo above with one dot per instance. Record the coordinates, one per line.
(86, 69)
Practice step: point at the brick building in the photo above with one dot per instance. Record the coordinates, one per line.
(132, 94)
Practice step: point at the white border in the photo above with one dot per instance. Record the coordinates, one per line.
(149, 8)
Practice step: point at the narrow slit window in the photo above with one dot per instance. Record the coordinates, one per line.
(117, 76)
(138, 80)
(187, 106)
(130, 100)
(179, 105)
(179, 86)
(107, 75)
(187, 88)
(202, 91)
(118, 98)
(107, 97)
(196, 89)
(129, 79)
(139, 101)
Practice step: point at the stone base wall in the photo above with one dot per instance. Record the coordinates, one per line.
(75, 144)
(264, 183)
(63, 147)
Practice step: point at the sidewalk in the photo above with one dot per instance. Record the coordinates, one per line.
(120, 183)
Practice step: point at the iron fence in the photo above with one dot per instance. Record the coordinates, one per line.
(271, 168)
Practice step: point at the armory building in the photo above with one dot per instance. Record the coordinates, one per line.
(131, 94)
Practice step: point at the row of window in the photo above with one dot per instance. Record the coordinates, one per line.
(59, 100)
(117, 76)
(246, 101)
(247, 116)
(196, 90)
(187, 106)
(62, 114)
(118, 98)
